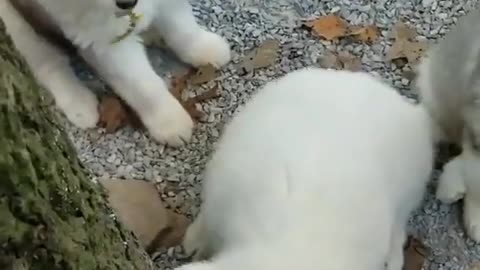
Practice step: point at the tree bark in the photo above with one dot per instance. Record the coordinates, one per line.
(52, 216)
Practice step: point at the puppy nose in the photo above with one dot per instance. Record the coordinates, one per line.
(126, 4)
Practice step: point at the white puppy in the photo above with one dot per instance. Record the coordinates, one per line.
(449, 86)
(320, 170)
(94, 27)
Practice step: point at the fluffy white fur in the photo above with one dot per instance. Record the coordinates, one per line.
(92, 25)
(460, 178)
(320, 170)
(449, 87)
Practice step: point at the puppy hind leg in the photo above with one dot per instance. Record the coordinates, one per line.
(451, 185)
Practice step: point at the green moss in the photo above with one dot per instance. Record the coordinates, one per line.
(51, 215)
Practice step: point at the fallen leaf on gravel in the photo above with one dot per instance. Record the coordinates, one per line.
(405, 45)
(342, 60)
(93, 135)
(208, 95)
(412, 51)
(332, 27)
(190, 104)
(365, 33)
(180, 84)
(115, 114)
(401, 31)
(475, 267)
(329, 27)
(415, 253)
(204, 74)
(139, 207)
(263, 56)
(349, 61)
(330, 61)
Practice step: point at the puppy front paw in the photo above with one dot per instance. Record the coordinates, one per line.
(170, 123)
(451, 186)
(194, 241)
(206, 48)
(81, 109)
(471, 216)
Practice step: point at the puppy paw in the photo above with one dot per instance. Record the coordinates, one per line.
(395, 259)
(190, 244)
(207, 48)
(395, 263)
(169, 123)
(471, 217)
(194, 240)
(451, 187)
(81, 109)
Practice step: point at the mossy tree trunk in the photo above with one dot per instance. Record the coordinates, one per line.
(51, 215)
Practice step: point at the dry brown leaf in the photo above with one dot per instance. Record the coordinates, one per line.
(263, 56)
(204, 74)
(405, 45)
(401, 31)
(139, 207)
(330, 61)
(93, 135)
(329, 27)
(179, 84)
(412, 51)
(475, 267)
(343, 60)
(349, 61)
(367, 33)
(190, 104)
(415, 253)
(115, 114)
(208, 95)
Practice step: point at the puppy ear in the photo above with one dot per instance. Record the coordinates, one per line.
(204, 265)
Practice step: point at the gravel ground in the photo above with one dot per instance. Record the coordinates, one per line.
(131, 154)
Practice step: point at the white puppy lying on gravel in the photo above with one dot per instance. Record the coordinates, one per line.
(320, 170)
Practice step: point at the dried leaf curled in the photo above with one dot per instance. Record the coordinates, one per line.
(475, 267)
(330, 61)
(263, 56)
(116, 114)
(329, 27)
(180, 84)
(411, 51)
(139, 206)
(401, 31)
(332, 27)
(365, 34)
(204, 74)
(342, 60)
(405, 45)
(415, 253)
